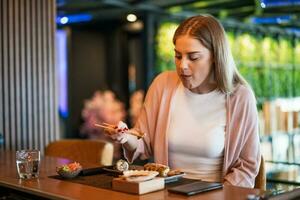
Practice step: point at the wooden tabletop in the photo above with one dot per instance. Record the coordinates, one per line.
(60, 189)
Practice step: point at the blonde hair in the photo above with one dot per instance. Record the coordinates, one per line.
(209, 31)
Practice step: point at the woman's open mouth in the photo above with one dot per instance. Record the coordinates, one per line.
(186, 76)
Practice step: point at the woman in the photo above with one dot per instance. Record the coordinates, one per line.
(202, 119)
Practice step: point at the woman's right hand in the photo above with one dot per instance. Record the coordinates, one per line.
(119, 135)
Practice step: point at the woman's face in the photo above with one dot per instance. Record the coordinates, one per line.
(193, 64)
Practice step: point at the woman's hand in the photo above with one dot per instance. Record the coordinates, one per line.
(119, 135)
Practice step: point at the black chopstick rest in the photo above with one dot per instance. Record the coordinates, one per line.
(92, 171)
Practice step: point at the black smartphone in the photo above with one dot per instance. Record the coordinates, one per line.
(195, 187)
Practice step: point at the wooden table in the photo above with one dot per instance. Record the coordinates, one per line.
(59, 189)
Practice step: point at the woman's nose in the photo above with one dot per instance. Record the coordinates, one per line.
(184, 65)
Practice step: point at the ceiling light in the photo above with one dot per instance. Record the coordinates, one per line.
(64, 20)
(75, 18)
(131, 17)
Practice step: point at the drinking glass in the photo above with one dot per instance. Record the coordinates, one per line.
(28, 162)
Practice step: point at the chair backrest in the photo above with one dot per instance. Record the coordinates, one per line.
(260, 180)
(91, 151)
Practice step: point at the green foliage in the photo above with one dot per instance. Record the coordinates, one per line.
(165, 47)
(297, 82)
(247, 49)
(231, 41)
(297, 67)
(297, 53)
(285, 52)
(269, 51)
(267, 64)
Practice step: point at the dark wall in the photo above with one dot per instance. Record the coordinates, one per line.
(117, 63)
(98, 60)
(87, 72)
(136, 58)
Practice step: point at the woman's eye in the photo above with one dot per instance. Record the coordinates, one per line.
(193, 58)
(178, 56)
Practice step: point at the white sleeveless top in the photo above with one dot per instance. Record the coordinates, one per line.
(196, 134)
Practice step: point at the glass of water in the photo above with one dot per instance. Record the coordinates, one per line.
(28, 162)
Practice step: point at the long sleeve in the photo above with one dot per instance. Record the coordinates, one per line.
(153, 119)
(147, 120)
(244, 147)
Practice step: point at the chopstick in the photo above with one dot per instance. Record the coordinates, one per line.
(112, 129)
(110, 125)
(105, 127)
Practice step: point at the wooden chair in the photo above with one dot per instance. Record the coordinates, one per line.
(92, 151)
(260, 180)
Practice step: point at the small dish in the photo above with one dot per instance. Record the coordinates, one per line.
(70, 170)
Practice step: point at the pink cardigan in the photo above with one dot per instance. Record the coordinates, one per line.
(242, 149)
